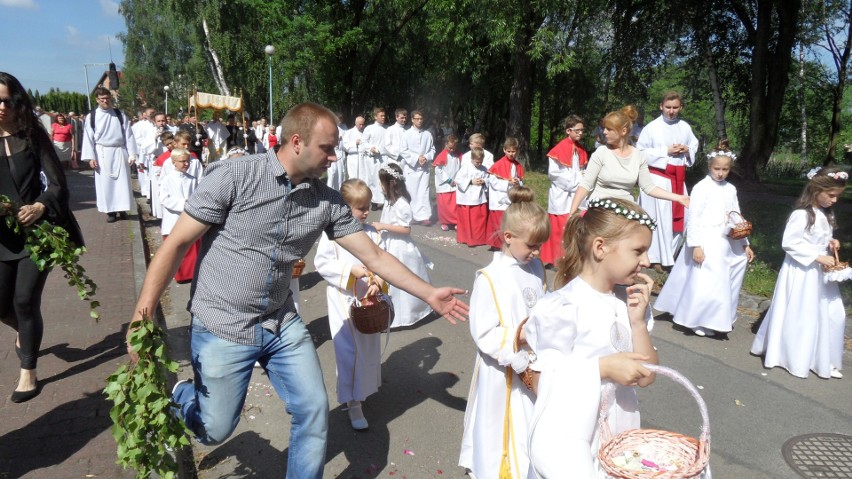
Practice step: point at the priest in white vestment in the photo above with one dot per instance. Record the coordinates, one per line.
(145, 134)
(217, 139)
(669, 147)
(355, 162)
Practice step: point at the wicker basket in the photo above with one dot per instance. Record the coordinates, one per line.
(527, 375)
(371, 314)
(838, 265)
(298, 267)
(740, 228)
(665, 447)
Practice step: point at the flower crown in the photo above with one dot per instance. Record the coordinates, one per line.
(837, 175)
(643, 219)
(394, 174)
(729, 154)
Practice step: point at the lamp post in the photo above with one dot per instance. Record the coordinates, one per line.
(166, 89)
(86, 73)
(269, 51)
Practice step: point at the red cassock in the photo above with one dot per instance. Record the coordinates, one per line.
(562, 153)
(470, 229)
(502, 169)
(186, 270)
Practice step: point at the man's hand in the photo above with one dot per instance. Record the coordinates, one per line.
(445, 303)
(93, 164)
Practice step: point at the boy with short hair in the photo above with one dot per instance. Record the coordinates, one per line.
(504, 174)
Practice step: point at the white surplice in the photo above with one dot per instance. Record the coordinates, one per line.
(707, 295)
(494, 318)
(112, 150)
(374, 137)
(175, 188)
(358, 356)
(417, 143)
(570, 330)
(564, 181)
(804, 327)
(337, 170)
(408, 309)
(145, 134)
(468, 193)
(217, 140)
(487, 160)
(654, 141)
(393, 143)
(355, 162)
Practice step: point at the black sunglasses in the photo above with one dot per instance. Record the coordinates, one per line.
(7, 101)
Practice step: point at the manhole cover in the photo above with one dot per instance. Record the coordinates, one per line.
(820, 455)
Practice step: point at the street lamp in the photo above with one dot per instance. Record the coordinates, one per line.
(166, 89)
(269, 51)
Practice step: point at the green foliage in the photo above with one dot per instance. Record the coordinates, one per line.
(60, 101)
(143, 425)
(50, 246)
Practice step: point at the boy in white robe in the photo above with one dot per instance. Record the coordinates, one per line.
(110, 149)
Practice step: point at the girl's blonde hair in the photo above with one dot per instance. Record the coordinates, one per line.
(825, 179)
(582, 230)
(525, 216)
(356, 192)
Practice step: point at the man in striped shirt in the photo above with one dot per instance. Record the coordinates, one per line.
(256, 215)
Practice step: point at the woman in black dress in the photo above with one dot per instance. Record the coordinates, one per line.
(25, 152)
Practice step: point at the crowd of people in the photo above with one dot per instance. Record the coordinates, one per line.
(547, 355)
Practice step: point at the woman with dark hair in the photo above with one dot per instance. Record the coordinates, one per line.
(25, 152)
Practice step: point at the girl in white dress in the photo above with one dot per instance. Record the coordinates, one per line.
(499, 404)
(803, 329)
(358, 356)
(395, 230)
(590, 336)
(703, 289)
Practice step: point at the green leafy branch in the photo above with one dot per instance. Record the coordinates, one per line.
(142, 421)
(49, 246)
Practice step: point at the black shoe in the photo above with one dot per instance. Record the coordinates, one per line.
(111, 218)
(24, 396)
(376, 207)
(122, 216)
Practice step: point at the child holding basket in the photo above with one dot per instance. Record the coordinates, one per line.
(588, 333)
(803, 328)
(499, 404)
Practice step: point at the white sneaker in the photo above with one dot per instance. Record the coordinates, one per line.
(835, 373)
(356, 416)
(699, 331)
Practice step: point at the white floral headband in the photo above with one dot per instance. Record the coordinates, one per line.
(837, 175)
(396, 175)
(729, 154)
(643, 219)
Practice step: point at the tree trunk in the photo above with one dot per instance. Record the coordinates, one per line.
(718, 102)
(520, 96)
(215, 64)
(841, 61)
(769, 79)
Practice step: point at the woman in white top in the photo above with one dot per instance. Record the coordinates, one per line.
(615, 168)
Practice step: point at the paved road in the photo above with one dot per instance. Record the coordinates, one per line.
(64, 432)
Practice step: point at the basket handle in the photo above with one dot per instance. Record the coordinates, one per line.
(371, 280)
(608, 397)
(737, 213)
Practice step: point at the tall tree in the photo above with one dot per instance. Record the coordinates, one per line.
(837, 21)
(771, 27)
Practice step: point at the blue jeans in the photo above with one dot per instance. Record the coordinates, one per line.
(211, 405)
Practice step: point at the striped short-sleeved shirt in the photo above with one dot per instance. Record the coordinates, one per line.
(260, 225)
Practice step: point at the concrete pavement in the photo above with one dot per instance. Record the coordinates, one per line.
(65, 431)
